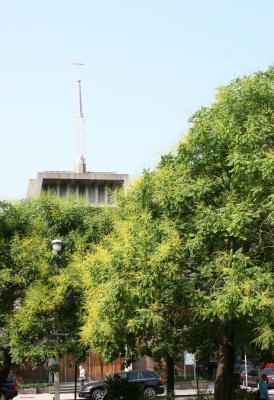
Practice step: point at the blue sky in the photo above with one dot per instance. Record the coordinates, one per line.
(149, 64)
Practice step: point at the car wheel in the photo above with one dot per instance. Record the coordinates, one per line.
(149, 392)
(98, 394)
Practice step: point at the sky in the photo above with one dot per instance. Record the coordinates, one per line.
(149, 65)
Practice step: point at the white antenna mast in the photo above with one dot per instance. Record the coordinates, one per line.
(80, 160)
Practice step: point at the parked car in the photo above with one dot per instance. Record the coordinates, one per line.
(9, 389)
(253, 376)
(150, 380)
(270, 376)
(240, 365)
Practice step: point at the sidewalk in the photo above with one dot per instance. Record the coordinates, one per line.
(180, 394)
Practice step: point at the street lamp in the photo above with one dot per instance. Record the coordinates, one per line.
(56, 245)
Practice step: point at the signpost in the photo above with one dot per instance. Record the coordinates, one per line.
(189, 359)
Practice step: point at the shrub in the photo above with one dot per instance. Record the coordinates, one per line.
(34, 385)
(243, 394)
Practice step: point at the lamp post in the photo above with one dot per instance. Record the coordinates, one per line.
(56, 245)
(245, 370)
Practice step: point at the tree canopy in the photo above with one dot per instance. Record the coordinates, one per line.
(215, 195)
(134, 287)
(43, 315)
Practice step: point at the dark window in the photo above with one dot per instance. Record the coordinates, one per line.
(101, 194)
(63, 190)
(149, 374)
(123, 375)
(92, 194)
(82, 190)
(133, 376)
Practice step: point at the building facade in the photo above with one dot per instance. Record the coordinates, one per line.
(99, 188)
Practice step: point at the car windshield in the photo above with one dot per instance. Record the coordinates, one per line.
(248, 369)
(122, 375)
(268, 371)
(150, 374)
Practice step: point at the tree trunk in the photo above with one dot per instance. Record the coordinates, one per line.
(224, 376)
(75, 378)
(170, 375)
(5, 367)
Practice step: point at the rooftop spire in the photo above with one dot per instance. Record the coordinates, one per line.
(80, 160)
(79, 110)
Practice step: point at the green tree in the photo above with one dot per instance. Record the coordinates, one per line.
(136, 291)
(10, 282)
(213, 199)
(46, 297)
(218, 190)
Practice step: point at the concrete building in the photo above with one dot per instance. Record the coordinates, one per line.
(97, 187)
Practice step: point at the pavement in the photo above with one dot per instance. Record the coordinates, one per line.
(179, 394)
